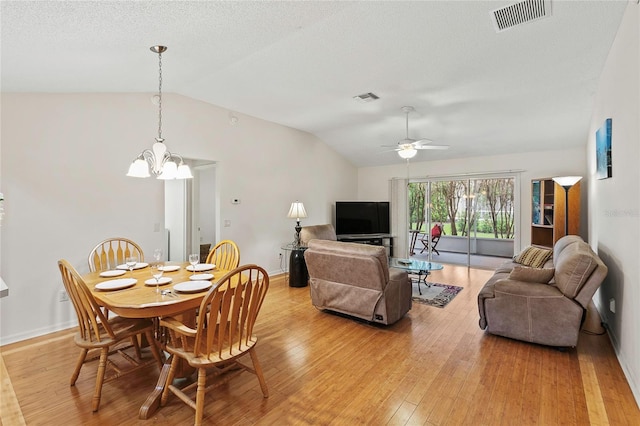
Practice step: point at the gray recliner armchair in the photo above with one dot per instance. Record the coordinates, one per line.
(549, 313)
(355, 279)
(317, 232)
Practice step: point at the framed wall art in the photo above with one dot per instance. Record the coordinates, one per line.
(603, 151)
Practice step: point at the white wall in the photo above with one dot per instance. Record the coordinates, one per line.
(614, 203)
(373, 181)
(64, 159)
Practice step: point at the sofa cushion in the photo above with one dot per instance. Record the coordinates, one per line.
(573, 268)
(532, 275)
(533, 256)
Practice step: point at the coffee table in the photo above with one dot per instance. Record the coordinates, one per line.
(418, 267)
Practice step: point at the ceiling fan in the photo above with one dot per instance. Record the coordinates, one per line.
(407, 147)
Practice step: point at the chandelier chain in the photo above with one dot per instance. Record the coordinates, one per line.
(160, 95)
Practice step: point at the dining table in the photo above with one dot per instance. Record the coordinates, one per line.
(143, 299)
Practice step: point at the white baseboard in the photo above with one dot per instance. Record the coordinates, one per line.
(5, 340)
(628, 373)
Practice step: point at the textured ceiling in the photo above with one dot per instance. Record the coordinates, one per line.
(300, 64)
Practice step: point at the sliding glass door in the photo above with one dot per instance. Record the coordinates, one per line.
(462, 220)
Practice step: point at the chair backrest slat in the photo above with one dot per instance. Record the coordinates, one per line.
(91, 320)
(231, 308)
(113, 252)
(225, 255)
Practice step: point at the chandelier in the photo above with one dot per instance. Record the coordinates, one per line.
(158, 160)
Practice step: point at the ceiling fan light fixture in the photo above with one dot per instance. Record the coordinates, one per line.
(407, 153)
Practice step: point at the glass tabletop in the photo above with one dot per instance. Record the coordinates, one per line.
(414, 265)
(292, 246)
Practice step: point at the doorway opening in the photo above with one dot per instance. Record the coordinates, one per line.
(191, 212)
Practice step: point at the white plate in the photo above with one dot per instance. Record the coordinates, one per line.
(192, 286)
(112, 273)
(201, 267)
(161, 281)
(170, 268)
(116, 284)
(201, 277)
(139, 265)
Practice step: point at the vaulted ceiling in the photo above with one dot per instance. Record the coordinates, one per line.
(300, 64)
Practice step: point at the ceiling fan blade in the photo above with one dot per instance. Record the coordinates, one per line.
(432, 147)
(420, 142)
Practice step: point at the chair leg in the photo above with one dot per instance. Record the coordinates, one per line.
(258, 369)
(76, 372)
(102, 366)
(136, 346)
(202, 384)
(154, 348)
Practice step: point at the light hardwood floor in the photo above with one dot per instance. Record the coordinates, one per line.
(434, 367)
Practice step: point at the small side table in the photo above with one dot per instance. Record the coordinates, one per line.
(298, 274)
(419, 267)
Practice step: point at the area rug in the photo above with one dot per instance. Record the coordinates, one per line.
(434, 294)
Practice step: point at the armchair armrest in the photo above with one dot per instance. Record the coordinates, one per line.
(523, 288)
(176, 325)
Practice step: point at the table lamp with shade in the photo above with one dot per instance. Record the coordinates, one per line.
(566, 182)
(297, 212)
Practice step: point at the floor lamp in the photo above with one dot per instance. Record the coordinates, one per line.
(566, 182)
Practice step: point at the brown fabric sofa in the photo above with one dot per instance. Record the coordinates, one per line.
(355, 279)
(545, 313)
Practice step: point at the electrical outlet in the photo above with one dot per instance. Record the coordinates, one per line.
(63, 296)
(612, 305)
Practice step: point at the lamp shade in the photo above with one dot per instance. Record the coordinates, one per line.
(297, 211)
(139, 168)
(169, 171)
(407, 153)
(567, 181)
(184, 172)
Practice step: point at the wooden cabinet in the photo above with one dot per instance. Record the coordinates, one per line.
(548, 207)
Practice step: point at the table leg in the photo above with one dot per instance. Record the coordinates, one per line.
(423, 279)
(152, 403)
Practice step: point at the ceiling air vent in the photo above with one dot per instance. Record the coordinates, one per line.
(366, 97)
(520, 13)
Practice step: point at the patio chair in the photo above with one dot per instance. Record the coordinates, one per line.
(436, 232)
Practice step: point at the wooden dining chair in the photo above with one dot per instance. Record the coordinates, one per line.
(225, 255)
(95, 331)
(113, 252)
(221, 336)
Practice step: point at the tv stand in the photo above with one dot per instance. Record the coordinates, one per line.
(385, 240)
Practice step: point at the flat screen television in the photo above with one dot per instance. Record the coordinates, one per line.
(362, 217)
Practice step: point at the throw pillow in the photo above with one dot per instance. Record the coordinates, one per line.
(532, 275)
(533, 256)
